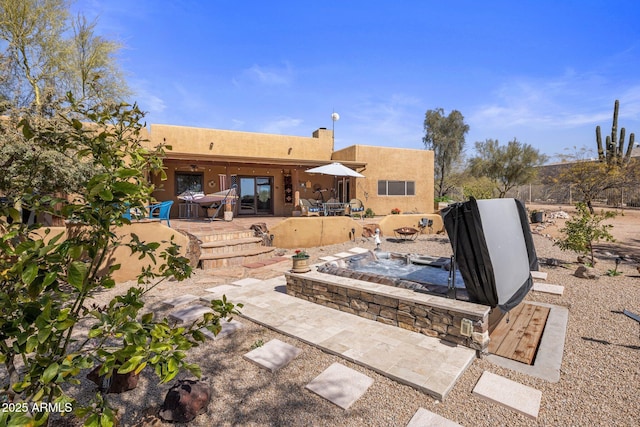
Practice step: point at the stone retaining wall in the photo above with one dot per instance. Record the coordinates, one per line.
(406, 311)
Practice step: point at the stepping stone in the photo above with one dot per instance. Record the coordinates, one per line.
(358, 250)
(343, 254)
(222, 289)
(511, 394)
(228, 328)
(273, 355)
(329, 258)
(246, 281)
(340, 385)
(548, 288)
(423, 418)
(181, 300)
(539, 275)
(189, 314)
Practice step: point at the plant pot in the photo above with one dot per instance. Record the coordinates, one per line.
(537, 217)
(118, 383)
(301, 265)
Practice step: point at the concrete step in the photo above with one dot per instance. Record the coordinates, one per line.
(228, 246)
(223, 235)
(210, 261)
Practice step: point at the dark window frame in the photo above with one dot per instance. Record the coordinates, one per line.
(181, 187)
(397, 187)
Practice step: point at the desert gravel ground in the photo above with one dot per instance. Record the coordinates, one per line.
(599, 382)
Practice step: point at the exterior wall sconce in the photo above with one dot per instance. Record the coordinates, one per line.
(211, 146)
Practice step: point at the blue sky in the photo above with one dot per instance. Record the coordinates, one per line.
(546, 71)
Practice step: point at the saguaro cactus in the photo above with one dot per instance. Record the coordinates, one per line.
(613, 154)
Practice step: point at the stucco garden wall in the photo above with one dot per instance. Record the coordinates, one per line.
(308, 232)
(392, 222)
(147, 231)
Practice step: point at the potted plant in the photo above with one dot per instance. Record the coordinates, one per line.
(300, 262)
(395, 211)
(537, 216)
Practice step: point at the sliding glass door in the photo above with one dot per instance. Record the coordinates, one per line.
(256, 195)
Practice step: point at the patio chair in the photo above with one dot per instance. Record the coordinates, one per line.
(161, 211)
(356, 208)
(309, 209)
(333, 206)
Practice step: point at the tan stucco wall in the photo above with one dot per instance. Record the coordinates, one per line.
(131, 266)
(392, 164)
(217, 152)
(192, 140)
(297, 233)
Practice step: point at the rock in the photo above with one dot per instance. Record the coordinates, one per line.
(193, 249)
(560, 214)
(118, 383)
(185, 400)
(586, 260)
(369, 230)
(260, 230)
(585, 272)
(552, 262)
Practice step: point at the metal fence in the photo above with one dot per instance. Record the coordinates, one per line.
(567, 195)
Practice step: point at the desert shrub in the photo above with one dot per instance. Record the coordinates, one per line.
(46, 282)
(584, 230)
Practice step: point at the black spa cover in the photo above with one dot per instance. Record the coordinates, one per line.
(493, 247)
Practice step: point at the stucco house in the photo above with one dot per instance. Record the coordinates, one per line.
(270, 171)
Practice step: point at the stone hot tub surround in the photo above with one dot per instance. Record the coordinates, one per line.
(427, 314)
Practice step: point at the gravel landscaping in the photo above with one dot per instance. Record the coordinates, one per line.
(598, 383)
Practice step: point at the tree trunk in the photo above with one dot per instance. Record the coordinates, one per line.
(590, 206)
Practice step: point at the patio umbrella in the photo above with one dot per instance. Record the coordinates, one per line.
(337, 169)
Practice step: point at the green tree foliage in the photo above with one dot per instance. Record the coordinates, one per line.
(93, 71)
(43, 58)
(478, 188)
(612, 169)
(445, 135)
(38, 166)
(45, 55)
(589, 177)
(507, 166)
(46, 282)
(585, 229)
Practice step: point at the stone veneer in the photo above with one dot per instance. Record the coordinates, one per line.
(430, 315)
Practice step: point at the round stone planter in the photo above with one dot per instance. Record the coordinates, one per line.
(300, 265)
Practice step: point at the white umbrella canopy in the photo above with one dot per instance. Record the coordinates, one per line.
(337, 169)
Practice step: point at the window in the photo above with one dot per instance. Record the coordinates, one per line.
(189, 181)
(396, 188)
